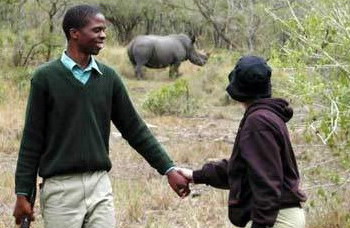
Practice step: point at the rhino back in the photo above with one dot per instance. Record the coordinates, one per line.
(157, 51)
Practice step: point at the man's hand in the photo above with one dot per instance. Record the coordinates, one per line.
(22, 209)
(178, 183)
(187, 173)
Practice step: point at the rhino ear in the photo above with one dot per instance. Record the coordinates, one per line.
(193, 39)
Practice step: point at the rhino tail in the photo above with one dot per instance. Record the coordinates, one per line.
(131, 55)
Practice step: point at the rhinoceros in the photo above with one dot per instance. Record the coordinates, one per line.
(161, 51)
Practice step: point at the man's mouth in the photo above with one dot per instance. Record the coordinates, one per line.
(100, 44)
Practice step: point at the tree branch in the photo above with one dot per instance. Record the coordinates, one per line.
(206, 15)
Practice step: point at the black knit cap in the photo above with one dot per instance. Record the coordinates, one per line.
(250, 79)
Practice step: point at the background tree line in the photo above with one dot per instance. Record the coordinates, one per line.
(32, 27)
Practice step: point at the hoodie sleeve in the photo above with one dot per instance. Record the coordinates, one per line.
(261, 152)
(213, 174)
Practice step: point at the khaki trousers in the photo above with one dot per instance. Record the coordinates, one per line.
(82, 200)
(293, 217)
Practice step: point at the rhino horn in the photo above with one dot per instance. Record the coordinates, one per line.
(193, 39)
(205, 53)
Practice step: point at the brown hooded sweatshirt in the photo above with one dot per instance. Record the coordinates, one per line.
(262, 173)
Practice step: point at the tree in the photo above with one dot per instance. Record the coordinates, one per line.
(18, 28)
(124, 17)
(53, 8)
(152, 17)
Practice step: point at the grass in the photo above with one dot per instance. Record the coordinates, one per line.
(143, 197)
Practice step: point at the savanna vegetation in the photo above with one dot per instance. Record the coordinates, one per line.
(307, 43)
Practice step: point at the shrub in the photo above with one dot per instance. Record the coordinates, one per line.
(317, 53)
(172, 99)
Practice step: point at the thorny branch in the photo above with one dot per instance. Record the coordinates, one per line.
(205, 11)
(334, 123)
(305, 40)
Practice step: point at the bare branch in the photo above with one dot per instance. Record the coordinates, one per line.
(314, 166)
(29, 54)
(305, 40)
(206, 13)
(334, 123)
(300, 26)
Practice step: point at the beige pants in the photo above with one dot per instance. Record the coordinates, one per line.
(288, 218)
(78, 200)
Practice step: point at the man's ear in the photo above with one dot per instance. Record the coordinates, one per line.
(73, 33)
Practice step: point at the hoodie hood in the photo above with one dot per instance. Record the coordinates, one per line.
(276, 105)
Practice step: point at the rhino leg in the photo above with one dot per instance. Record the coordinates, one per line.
(141, 54)
(174, 70)
(138, 71)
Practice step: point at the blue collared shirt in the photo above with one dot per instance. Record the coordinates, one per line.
(82, 75)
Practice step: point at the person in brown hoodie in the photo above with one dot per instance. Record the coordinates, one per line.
(262, 174)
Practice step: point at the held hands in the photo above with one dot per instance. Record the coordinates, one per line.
(179, 179)
(178, 183)
(187, 173)
(22, 209)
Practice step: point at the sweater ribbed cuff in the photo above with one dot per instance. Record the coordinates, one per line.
(21, 194)
(168, 170)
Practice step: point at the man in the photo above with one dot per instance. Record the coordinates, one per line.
(262, 173)
(71, 104)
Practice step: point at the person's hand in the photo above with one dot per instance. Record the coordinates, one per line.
(22, 209)
(178, 183)
(188, 173)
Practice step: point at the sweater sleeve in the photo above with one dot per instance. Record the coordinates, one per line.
(135, 131)
(213, 174)
(32, 142)
(265, 174)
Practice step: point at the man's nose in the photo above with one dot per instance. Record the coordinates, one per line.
(103, 34)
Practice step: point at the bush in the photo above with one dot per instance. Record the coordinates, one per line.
(317, 54)
(172, 99)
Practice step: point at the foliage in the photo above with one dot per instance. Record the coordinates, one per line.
(317, 49)
(173, 99)
(241, 25)
(7, 10)
(124, 16)
(316, 55)
(130, 18)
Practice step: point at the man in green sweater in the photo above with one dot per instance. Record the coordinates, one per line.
(71, 105)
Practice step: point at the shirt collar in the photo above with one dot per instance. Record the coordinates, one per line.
(70, 63)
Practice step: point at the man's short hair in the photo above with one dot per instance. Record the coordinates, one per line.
(78, 17)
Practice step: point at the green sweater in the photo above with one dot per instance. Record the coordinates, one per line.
(67, 125)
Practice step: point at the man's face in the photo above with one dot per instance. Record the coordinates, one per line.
(90, 39)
